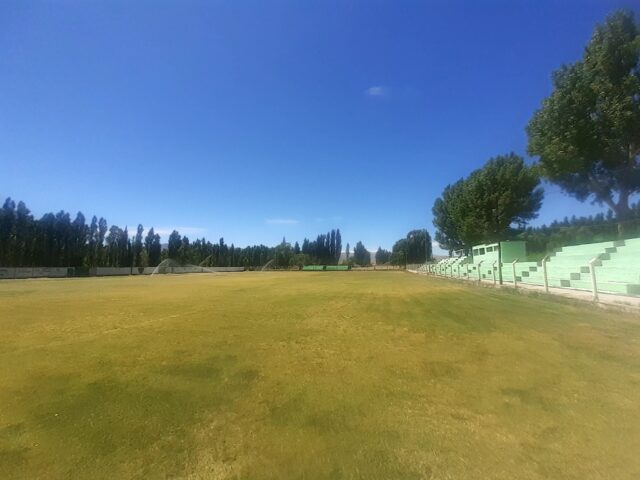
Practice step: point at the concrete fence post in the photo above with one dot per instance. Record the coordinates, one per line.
(480, 271)
(545, 274)
(513, 268)
(594, 282)
(493, 270)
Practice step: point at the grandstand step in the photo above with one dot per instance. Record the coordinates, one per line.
(538, 279)
(530, 281)
(625, 257)
(573, 259)
(632, 244)
(619, 288)
(631, 277)
(604, 287)
(559, 272)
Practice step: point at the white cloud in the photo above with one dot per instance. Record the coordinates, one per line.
(166, 231)
(377, 91)
(281, 221)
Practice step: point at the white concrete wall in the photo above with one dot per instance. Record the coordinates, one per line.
(106, 271)
(7, 273)
(224, 269)
(37, 272)
(59, 272)
(51, 272)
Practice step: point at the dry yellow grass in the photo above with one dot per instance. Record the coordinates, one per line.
(373, 375)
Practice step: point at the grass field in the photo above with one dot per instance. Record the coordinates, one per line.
(372, 375)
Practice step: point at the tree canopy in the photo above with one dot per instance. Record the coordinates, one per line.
(361, 255)
(414, 248)
(57, 240)
(446, 211)
(587, 132)
(382, 256)
(482, 207)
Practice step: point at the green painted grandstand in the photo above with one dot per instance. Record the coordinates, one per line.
(338, 268)
(616, 266)
(331, 268)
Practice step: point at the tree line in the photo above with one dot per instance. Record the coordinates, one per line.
(577, 230)
(586, 136)
(416, 247)
(55, 240)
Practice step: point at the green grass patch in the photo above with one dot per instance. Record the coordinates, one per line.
(372, 375)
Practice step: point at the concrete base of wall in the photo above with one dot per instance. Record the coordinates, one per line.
(604, 299)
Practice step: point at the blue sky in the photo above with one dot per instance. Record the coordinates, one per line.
(258, 120)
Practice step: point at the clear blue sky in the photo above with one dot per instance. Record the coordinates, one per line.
(257, 119)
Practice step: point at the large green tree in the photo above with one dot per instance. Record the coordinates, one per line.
(361, 255)
(7, 232)
(504, 192)
(414, 248)
(447, 210)
(175, 242)
(382, 256)
(399, 252)
(418, 246)
(587, 132)
(484, 206)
